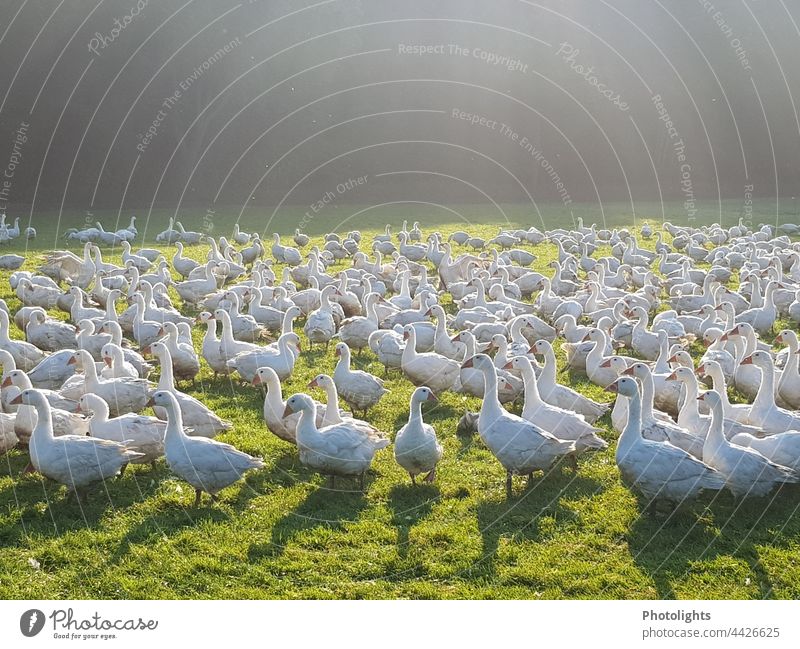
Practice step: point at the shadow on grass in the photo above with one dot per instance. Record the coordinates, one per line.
(409, 505)
(518, 518)
(323, 508)
(666, 547)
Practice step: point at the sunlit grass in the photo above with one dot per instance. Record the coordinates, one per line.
(284, 534)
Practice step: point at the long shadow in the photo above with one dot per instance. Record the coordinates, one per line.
(323, 507)
(668, 547)
(518, 518)
(410, 504)
(44, 507)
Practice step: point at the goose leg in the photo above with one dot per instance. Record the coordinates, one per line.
(573, 462)
(509, 486)
(197, 495)
(153, 465)
(530, 478)
(28, 469)
(361, 480)
(413, 478)
(431, 476)
(122, 471)
(333, 482)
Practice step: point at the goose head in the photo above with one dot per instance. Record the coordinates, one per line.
(760, 359)
(421, 395)
(639, 370)
(625, 385)
(711, 397)
(165, 399)
(30, 397)
(298, 403)
(479, 362)
(616, 363)
(682, 374)
(342, 351)
(266, 376)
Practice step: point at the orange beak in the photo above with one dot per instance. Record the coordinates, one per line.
(467, 363)
(107, 360)
(509, 365)
(585, 339)
(72, 361)
(338, 353)
(672, 377)
(748, 360)
(613, 388)
(628, 371)
(432, 397)
(779, 339)
(16, 401)
(702, 397)
(257, 379)
(147, 350)
(313, 383)
(6, 382)
(672, 359)
(287, 411)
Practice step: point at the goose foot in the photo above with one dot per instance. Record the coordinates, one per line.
(573, 463)
(361, 481)
(530, 478)
(509, 486)
(154, 465)
(413, 478)
(197, 495)
(122, 471)
(431, 476)
(28, 469)
(333, 482)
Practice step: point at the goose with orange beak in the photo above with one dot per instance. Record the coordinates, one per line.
(658, 470)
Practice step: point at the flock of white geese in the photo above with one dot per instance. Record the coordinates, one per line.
(454, 313)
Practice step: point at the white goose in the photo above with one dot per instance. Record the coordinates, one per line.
(563, 424)
(789, 382)
(115, 365)
(561, 395)
(320, 325)
(416, 447)
(657, 470)
(202, 421)
(434, 370)
(206, 464)
(519, 446)
(49, 335)
(274, 406)
(746, 471)
(65, 420)
(338, 450)
(356, 331)
(281, 358)
(657, 428)
(764, 413)
(26, 356)
(122, 395)
(360, 390)
(139, 432)
(76, 461)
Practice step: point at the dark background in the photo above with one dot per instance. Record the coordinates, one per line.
(308, 70)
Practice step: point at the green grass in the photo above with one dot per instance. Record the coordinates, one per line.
(283, 533)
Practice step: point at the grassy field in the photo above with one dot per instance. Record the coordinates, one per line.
(283, 534)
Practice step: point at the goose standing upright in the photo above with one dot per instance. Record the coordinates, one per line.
(416, 447)
(746, 471)
(341, 449)
(360, 390)
(206, 464)
(520, 446)
(657, 470)
(76, 461)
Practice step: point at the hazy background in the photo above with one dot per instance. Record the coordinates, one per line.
(310, 94)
